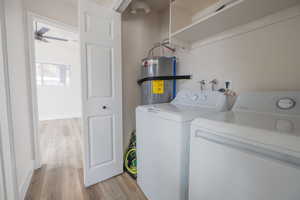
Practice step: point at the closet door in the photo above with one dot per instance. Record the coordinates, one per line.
(100, 35)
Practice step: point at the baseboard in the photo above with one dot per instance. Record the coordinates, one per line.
(25, 186)
(37, 165)
(60, 116)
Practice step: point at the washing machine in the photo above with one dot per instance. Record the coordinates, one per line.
(249, 153)
(163, 142)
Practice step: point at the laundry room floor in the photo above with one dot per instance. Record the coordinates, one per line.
(61, 174)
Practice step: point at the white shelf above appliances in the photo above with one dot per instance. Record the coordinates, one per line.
(221, 16)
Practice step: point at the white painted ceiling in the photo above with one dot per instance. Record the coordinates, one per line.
(195, 6)
(71, 2)
(156, 5)
(75, 2)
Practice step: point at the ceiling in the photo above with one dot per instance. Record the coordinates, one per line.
(71, 2)
(76, 2)
(156, 5)
(194, 6)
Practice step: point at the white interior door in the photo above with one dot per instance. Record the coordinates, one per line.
(100, 35)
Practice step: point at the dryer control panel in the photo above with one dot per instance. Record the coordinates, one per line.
(269, 102)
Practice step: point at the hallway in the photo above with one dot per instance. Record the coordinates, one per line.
(61, 175)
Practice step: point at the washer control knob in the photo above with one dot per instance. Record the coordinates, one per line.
(286, 103)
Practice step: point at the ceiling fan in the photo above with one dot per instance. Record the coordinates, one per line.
(40, 35)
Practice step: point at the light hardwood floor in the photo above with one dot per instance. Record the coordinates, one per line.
(61, 175)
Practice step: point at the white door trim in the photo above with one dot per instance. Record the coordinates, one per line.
(8, 168)
(31, 18)
(120, 5)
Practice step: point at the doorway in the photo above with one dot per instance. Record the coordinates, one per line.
(56, 89)
(100, 47)
(58, 93)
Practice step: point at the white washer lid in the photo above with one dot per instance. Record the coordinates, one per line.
(280, 133)
(179, 113)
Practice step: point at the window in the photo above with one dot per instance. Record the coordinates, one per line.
(49, 74)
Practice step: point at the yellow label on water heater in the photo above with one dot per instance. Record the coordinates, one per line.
(158, 87)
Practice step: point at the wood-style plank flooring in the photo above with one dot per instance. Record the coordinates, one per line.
(61, 175)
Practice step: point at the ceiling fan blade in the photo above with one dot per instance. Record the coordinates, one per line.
(44, 40)
(73, 40)
(42, 31)
(41, 39)
(56, 38)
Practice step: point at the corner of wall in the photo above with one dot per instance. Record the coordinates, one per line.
(23, 187)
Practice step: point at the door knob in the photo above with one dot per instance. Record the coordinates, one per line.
(104, 107)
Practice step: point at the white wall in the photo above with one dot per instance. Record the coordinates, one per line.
(6, 132)
(1, 180)
(59, 102)
(19, 93)
(138, 35)
(1, 120)
(164, 16)
(60, 10)
(263, 59)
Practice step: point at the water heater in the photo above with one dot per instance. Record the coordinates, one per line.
(157, 90)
